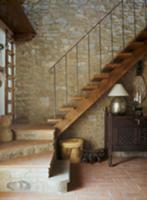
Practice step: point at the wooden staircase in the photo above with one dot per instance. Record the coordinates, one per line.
(102, 82)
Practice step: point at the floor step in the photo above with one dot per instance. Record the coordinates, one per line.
(100, 77)
(23, 148)
(33, 132)
(30, 173)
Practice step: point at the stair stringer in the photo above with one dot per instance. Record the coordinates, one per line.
(104, 86)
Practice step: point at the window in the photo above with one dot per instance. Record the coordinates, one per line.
(7, 71)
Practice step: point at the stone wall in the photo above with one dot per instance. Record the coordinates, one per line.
(59, 25)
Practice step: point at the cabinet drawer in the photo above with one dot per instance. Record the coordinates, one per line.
(124, 136)
(143, 135)
(121, 122)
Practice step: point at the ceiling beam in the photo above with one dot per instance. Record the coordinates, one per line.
(13, 15)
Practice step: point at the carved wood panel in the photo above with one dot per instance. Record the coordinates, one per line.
(143, 136)
(127, 136)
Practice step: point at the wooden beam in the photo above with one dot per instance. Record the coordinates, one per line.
(12, 14)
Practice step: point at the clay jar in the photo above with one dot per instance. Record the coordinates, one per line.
(6, 134)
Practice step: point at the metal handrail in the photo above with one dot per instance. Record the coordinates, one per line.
(87, 36)
(100, 21)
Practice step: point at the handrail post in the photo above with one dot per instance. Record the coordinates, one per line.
(77, 68)
(66, 80)
(145, 10)
(123, 24)
(100, 46)
(89, 67)
(134, 13)
(111, 19)
(54, 91)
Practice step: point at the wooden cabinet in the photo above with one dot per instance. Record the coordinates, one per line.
(125, 133)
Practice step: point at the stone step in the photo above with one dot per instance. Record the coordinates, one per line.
(33, 132)
(61, 176)
(23, 148)
(31, 174)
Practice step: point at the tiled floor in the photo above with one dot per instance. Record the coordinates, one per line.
(125, 181)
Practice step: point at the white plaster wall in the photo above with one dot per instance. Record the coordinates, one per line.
(2, 63)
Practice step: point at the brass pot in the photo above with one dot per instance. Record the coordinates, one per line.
(118, 105)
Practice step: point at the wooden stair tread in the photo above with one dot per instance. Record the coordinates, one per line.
(77, 98)
(89, 87)
(125, 54)
(143, 34)
(111, 66)
(101, 76)
(52, 121)
(136, 44)
(66, 108)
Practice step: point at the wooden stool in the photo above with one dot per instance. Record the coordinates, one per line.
(71, 149)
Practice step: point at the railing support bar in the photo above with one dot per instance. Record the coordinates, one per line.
(89, 67)
(77, 68)
(100, 47)
(145, 10)
(66, 80)
(112, 48)
(123, 24)
(54, 89)
(134, 13)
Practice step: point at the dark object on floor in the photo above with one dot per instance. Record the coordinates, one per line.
(92, 156)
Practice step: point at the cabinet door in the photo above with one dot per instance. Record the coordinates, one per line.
(143, 131)
(125, 132)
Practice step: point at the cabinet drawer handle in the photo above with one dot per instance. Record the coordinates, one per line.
(138, 121)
